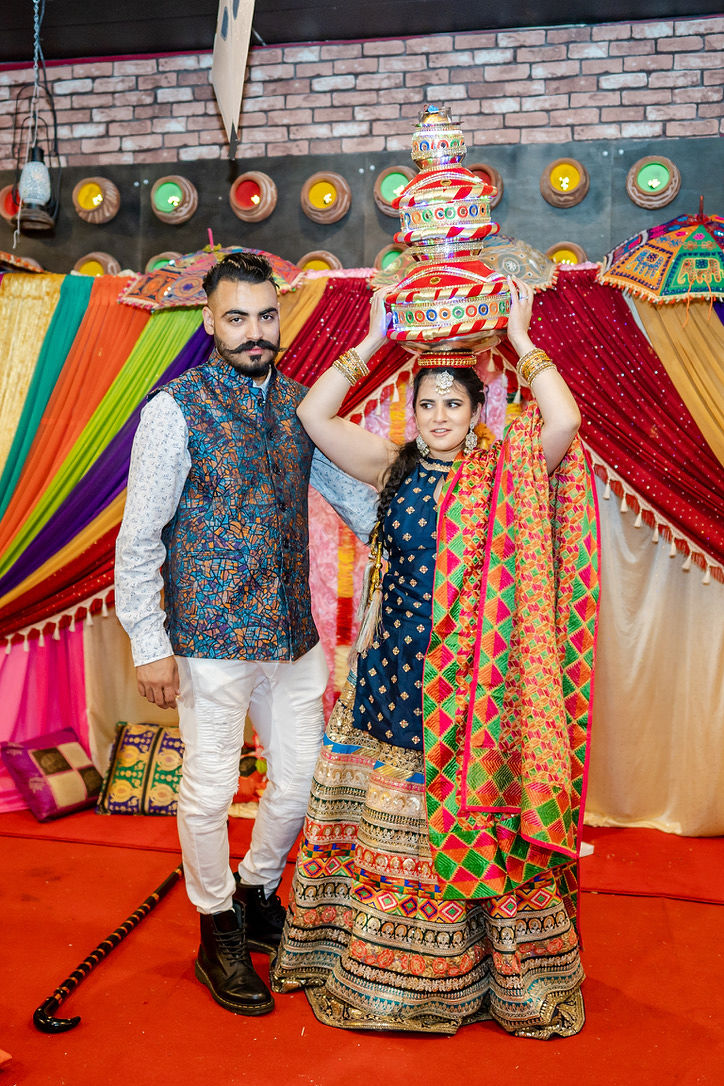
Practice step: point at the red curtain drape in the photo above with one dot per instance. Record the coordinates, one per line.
(633, 416)
(90, 573)
(339, 322)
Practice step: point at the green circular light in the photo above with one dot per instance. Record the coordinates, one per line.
(390, 258)
(392, 185)
(168, 197)
(653, 177)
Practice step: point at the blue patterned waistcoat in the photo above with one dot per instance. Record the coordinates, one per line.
(236, 574)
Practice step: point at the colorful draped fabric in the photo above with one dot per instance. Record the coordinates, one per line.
(507, 683)
(370, 936)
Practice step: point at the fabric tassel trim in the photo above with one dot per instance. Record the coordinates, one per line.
(370, 601)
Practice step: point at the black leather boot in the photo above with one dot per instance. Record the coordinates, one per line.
(264, 917)
(224, 966)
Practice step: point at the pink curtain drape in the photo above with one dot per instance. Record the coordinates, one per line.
(42, 689)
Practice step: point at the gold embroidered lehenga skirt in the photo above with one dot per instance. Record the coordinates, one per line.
(368, 934)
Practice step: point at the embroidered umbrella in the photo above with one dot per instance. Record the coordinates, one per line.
(680, 260)
(18, 263)
(181, 283)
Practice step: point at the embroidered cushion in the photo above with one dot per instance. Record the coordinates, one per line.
(53, 773)
(144, 773)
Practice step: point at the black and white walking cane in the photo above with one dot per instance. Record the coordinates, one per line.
(43, 1018)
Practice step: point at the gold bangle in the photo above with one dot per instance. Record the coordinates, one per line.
(530, 356)
(535, 371)
(351, 365)
(533, 363)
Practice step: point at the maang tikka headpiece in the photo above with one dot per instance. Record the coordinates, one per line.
(443, 382)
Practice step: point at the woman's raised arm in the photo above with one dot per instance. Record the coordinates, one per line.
(361, 454)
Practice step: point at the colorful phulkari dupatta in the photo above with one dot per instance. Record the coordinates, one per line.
(508, 674)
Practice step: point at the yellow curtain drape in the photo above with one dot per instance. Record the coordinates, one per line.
(690, 343)
(28, 303)
(297, 305)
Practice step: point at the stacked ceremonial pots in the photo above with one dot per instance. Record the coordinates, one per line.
(450, 300)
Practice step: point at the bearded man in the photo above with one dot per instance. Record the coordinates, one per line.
(217, 497)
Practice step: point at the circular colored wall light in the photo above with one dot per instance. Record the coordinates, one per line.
(388, 255)
(97, 263)
(319, 260)
(491, 176)
(174, 199)
(160, 260)
(564, 182)
(325, 197)
(566, 252)
(96, 199)
(653, 181)
(253, 196)
(388, 186)
(8, 204)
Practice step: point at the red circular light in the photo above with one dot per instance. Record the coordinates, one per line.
(9, 204)
(247, 194)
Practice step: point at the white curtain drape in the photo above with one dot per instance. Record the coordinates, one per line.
(657, 747)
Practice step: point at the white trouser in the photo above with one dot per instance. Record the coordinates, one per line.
(284, 700)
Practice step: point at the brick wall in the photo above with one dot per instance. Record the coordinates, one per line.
(641, 80)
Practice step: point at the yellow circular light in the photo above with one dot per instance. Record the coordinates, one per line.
(317, 265)
(91, 267)
(322, 194)
(90, 196)
(564, 256)
(565, 177)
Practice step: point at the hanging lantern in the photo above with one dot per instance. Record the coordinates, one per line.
(35, 145)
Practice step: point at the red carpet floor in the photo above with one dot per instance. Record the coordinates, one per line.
(654, 994)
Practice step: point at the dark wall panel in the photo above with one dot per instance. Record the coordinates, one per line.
(605, 217)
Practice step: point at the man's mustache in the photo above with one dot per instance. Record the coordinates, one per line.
(252, 344)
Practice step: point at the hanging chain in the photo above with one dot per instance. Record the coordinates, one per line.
(33, 107)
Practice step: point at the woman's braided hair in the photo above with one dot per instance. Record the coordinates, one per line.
(409, 454)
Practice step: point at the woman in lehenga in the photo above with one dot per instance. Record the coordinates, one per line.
(435, 883)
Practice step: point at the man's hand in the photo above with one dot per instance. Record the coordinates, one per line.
(158, 682)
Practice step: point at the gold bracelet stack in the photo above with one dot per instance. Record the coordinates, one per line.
(533, 363)
(351, 365)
